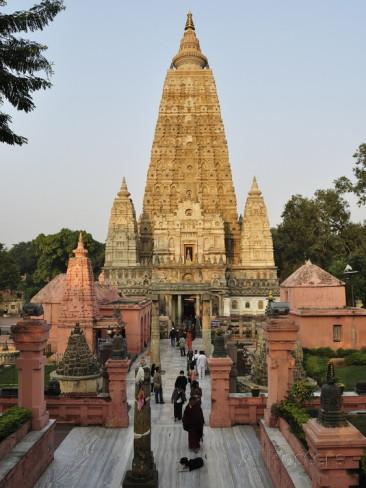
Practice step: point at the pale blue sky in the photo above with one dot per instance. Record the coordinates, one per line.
(291, 80)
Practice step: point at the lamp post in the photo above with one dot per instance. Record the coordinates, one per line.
(348, 273)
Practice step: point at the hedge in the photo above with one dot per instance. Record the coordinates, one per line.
(12, 419)
(295, 416)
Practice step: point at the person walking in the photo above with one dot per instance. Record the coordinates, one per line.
(189, 339)
(193, 422)
(172, 336)
(192, 375)
(196, 390)
(182, 346)
(178, 399)
(195, 357)
(181, 381)
(201, 365)
(152, 372)
(158, 386)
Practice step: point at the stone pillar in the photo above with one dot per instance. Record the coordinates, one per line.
(206, 326)
(198, 306)
(170, 309)
(117, 387)
(30, 338)
(220, 365)
(334, 451)
(155, 332)
(280, 334)
(179, 314)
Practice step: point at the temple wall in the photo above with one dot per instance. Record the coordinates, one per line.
(314, 296)
(318, 330)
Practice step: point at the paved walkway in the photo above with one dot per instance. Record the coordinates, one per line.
(98, 457)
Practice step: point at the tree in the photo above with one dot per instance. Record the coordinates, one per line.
(9, 273)
(345, 185)
(21, 61)
(54, 250)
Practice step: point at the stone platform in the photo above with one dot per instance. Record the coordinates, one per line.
(98, 457)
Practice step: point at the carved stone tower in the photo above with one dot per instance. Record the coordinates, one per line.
(191, 247)
(79, 303)
(122, 240)
(256, 239)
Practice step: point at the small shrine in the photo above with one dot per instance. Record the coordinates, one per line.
(78, 371)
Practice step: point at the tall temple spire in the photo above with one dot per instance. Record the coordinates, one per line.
(80, 249)
(256, 238)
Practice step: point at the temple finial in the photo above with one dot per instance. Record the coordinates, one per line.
(189, 22)
(80, 248)
(124, 190)
(254, 188)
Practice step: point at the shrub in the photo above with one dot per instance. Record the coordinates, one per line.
(295, 416)
(357, 358)
(12, 419)
(301, 392)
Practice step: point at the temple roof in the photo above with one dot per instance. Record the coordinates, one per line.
(310, 274)
(53, 292)
(78, 360)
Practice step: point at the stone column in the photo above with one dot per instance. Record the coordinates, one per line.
(117, 387)
(30, 338)
(155, 332)
(170, 309)
(179, 314)
(334, 451)
(220, 365)
(206, 326)
(280, 334)
(197, 306)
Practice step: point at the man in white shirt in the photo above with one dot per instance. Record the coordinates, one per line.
(201, 365)
(140, 371)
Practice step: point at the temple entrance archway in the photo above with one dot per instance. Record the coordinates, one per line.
(189, 307)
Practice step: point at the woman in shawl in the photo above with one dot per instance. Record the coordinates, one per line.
(193, 422)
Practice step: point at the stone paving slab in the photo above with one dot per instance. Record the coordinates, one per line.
(98, 457)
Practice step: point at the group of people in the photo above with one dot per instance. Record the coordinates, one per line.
(182, 338)
(192, 417)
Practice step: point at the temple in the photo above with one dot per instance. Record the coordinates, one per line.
(189, 240)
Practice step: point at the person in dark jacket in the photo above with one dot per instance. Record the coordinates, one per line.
(193, 422)
(181, 381)
(178, 398)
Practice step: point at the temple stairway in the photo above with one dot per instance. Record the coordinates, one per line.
(98, 457)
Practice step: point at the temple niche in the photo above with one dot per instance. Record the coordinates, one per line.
(189, 243)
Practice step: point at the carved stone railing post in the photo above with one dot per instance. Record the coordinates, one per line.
(30, 338)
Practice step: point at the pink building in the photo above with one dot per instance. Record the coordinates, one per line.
(318, 306)
(76, 297)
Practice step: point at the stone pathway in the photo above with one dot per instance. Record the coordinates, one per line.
(98, 457)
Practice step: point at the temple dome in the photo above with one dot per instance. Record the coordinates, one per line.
(190, 54)
(309, 275)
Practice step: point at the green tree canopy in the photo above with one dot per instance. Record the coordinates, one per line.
(358, 187)
(9, 272)
(21, 61)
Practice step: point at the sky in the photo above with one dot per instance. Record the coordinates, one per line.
(290, 76)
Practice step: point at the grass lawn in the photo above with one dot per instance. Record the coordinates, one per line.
(316, 367)
(349, 375)
(9, 375)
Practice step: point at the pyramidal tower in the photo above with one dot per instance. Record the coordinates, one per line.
(79, 303)
(256, 239)
(189, 241)
(122, 240)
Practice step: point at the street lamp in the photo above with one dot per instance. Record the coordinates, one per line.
(348, 272)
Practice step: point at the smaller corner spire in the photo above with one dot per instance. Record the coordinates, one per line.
(123, 190)
(254, 188)
(189, 22)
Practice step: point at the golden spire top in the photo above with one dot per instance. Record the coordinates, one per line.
(123, 190)
(254, 188)
(189, 22)
(190, 55)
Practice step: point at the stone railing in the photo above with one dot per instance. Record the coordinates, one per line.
(245, 409)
